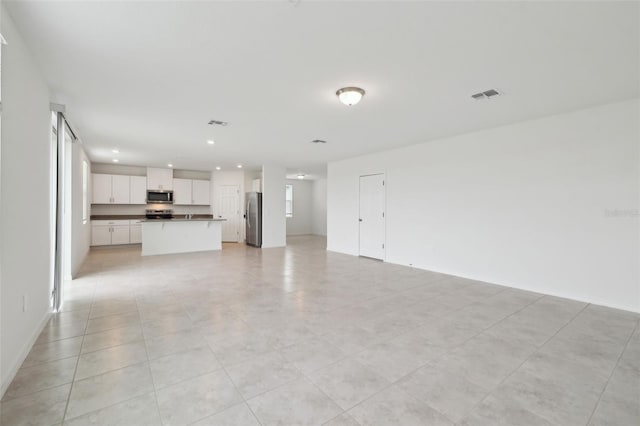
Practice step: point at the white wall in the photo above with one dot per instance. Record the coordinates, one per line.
(274, 226)
(319, 207)
(302, 221)
(25, 191)
(527, 205)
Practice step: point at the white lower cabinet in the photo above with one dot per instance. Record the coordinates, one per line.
(135, 232)
(114, 232)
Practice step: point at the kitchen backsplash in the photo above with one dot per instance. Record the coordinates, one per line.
(109, 209)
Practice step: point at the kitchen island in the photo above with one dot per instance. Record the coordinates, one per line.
(166, 236)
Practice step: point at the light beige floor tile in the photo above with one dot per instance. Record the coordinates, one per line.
(183, 365)
(42, 376)
(312, 354)
(101, 391)
(102, 361)
(41, 408)
(262, 373)
(52, 351)
(140, 411)
(238, 415)
(110, 338)
(195, 399)
(112, 321)
(348, 382)
(394, 407)
(297, 403)
(342, 420)
(175, 342)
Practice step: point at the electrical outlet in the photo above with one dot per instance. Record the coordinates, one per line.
(24, 303)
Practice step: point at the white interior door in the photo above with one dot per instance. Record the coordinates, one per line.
(372, 220)
(229, 208)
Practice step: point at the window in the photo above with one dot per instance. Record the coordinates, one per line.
(288, 196)
(85, 184)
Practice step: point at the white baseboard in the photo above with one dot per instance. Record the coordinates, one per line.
(6, 381)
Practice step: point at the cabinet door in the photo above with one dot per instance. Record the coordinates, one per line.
(159, 178)
(201, 192)
(100, 235)
(120, 234)
(138, 190)
(101, 188)
(135, 234)
(120, 189)
(182, 191)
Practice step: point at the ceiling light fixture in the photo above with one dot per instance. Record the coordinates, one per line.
(211, 142)
(115, 151)
(301, 176)
(218, 168)
(115, 160)
(239, 166)
(350, 95)
(169, 165)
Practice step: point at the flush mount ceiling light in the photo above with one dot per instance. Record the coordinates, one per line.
(169, 165)
(115, 160)
(239, 166)
(115, 151)
(301, 176)
(350, 95)
(218, 168)
(211, 142)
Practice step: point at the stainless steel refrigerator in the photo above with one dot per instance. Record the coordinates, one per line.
(253, 214)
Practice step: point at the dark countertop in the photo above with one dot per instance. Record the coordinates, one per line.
(181, 218)
(141, 216)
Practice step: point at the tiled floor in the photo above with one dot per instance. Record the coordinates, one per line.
(299, 336)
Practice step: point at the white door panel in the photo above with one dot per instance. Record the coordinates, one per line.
(372, 220)
(229, 209)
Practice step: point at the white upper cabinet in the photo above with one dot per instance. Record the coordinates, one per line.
(201, 192)
(138, 190)
(101, 188)
(120, 189)
(160, 179)
(110, 189)
(187, 192)
(182, 191)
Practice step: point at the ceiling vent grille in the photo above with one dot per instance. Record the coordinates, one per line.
(487, 94)
(318, 141)
(217, 123)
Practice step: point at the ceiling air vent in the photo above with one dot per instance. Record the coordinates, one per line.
(217, 123)
(318, 141)
(487, 94)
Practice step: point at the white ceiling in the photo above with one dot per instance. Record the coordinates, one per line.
(146, 77)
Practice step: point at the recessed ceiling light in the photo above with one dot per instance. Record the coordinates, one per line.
(169, 165)
(115, 160)
(301, 176)
(218, 168)
(239, 166)
(350, 95)
(115, 151)
(211, 142)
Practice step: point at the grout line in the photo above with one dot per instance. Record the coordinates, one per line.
(525, 360)
(626, 345)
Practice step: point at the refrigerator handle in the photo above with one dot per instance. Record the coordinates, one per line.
(247, 213)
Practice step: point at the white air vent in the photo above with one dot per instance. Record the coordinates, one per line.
(217, 123)
(318, 141)
(487, 94)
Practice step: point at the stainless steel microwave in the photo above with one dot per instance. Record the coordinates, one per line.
(159, 197)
